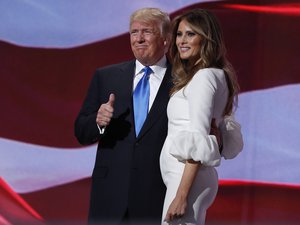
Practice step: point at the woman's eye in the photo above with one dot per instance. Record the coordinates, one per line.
(191, 34)
(179, 34)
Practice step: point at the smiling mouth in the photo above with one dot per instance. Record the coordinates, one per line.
(184, 49)
(141, 46)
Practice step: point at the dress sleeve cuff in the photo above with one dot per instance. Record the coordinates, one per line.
(232, 138)
(192, 145)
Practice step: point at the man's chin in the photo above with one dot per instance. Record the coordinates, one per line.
(141, 52)
(142, 58)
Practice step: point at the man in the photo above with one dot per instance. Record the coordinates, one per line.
(126, 181)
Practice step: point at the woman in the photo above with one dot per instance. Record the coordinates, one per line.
(205, 87)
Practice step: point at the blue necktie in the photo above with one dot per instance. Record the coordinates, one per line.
(141, 100)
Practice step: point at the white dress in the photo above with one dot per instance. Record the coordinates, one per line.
(190, 111)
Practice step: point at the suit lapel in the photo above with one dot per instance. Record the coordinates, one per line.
(126, 82)
(126, 78)
(159, 106)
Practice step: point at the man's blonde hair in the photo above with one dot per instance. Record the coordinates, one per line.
(153, 15)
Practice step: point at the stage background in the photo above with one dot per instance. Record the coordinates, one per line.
(49, 51)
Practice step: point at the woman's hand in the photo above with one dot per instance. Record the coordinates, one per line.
(176, 209)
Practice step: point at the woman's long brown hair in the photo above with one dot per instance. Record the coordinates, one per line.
(212, 54)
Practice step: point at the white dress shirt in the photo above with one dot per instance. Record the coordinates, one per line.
(155, 79)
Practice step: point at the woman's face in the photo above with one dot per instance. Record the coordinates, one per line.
(188, 42)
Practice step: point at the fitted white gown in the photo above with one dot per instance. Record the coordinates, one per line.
(190, 111)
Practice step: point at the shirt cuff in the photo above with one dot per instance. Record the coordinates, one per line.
(101, 129)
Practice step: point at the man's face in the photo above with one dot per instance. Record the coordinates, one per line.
(147, 43)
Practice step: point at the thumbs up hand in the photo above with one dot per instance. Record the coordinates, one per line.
(111, 100)
(105, 112)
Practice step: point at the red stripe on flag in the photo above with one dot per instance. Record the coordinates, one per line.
(247, 202)
(13, 207)
(285, 9)
(257, 183)
(237, 202)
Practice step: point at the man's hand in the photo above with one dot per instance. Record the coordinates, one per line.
(105, 112)
(214, 130)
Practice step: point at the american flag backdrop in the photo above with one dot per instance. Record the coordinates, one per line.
(49, 51)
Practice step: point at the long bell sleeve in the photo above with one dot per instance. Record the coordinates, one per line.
(206, 95)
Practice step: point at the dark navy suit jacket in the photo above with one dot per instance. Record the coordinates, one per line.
(126, 176)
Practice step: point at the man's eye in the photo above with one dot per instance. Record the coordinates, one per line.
(133, 32)
(148, 32)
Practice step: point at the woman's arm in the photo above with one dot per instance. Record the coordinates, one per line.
(179, 204)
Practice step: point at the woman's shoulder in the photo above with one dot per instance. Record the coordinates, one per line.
(207, 78)
(210, 72)
(209, 75)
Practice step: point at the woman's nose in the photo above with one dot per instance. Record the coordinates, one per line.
(183, 38)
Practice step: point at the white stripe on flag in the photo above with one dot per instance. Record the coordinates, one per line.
(28, 167)
(69, 23)
(271, 141)
(271, 127)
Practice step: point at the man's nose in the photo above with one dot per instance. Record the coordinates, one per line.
(140, 37)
